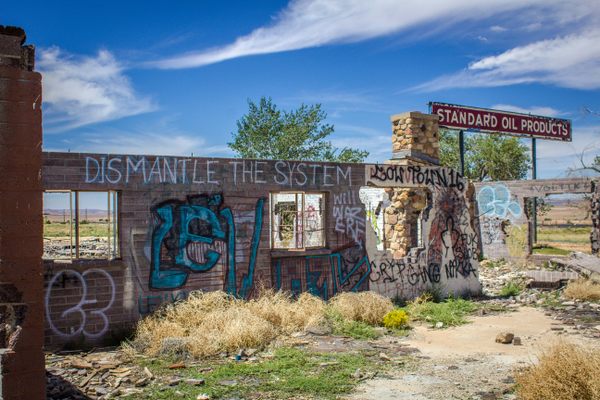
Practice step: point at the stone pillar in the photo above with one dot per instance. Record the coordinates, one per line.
(22, 374)
(415, 141)
(595, 235)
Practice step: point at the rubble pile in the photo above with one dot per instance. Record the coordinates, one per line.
(89, 247)
(96, 375)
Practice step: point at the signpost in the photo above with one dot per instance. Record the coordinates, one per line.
(486, 120)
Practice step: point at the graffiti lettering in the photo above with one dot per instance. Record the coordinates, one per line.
(324, 275)
(201, 222)
(81, 308)
(496, 201)
(414, 176)
(188, 171)
(349, 217)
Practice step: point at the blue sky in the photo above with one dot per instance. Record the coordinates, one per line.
(173, 78)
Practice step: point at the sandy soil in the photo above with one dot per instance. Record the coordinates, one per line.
(465, 362)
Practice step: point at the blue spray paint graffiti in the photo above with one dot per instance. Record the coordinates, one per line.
(324, 275)
(496, 201)
(202, 219)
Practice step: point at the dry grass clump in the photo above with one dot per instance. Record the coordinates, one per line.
(565, 372)
(583, 289)
(208, 323)
(366, 307)
(289, 315)
(229, 330)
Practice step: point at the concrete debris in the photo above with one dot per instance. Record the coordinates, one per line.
(584, 264)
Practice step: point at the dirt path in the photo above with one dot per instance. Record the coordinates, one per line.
(465, 362)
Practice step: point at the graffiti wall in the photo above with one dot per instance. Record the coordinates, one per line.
(446, 255)
(188, 224)
(503, 216)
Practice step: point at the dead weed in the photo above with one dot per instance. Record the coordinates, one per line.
(566, 371)
(583, 289)
(208, 323)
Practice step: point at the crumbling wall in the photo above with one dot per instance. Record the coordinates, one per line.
(207, 224)
(21, 312)
(503, 218)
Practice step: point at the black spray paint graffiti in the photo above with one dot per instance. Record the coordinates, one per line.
(402, 271)
(432, 177)
(201, 220)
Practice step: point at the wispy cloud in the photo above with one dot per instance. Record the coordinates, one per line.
(535, 110)
(571, 61)
(115, 141)
(79, 91)
(313, 23)
(377, 142)
(558, 158)
(336, 102)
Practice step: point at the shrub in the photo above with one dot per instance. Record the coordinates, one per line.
(511, 288)
(583, 289)
(566, 371)
(395, 319)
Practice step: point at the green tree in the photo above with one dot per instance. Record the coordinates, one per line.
(269, 133)
(487, 157)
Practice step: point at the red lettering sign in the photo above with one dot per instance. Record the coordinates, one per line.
(493, 121)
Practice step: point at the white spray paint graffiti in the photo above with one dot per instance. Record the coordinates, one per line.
(190, 171)
(348, 216)
(83, 301)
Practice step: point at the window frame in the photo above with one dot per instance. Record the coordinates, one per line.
(114, 221)
(323, 220)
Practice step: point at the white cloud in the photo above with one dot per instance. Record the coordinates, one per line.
(79, 91)
(497, 28)
(544, 111)
(571, 61)
(313, 23)
(558, 158)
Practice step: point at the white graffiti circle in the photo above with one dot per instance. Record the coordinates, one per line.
(78, 308)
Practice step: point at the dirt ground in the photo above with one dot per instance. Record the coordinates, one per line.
(465, 362)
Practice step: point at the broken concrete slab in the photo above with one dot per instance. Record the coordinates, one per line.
(549, 279)
(584, 264)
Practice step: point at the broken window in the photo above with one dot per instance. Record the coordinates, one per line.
(81, 225)
(297, 220)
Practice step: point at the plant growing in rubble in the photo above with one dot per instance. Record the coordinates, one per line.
(395, 319)
(270, 133)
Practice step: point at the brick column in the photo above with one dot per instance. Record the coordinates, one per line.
(22, 374)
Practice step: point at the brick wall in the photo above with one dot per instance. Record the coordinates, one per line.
(21, 290)
(205, 224)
